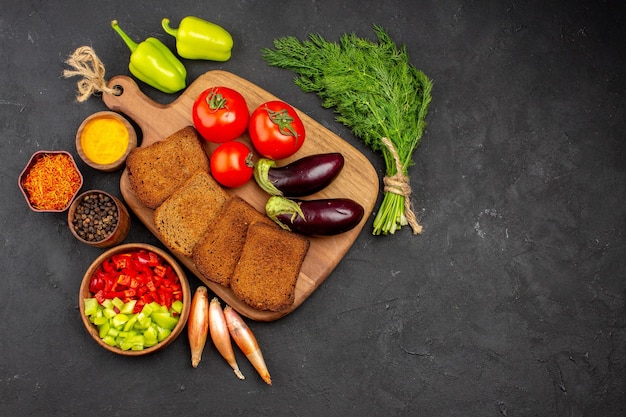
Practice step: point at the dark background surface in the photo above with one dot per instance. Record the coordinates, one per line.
(510, 304)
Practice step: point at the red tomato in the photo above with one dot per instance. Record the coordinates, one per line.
(231, 164)
(276, 130)
(220, 114)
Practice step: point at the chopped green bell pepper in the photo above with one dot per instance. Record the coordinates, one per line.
(150, 336)
(153, 63)
(132, 331)
(164, 320)
(91, 306)
(198, 39)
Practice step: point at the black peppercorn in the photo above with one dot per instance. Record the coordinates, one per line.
(95, 217)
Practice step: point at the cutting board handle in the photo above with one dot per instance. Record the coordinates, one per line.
(156, 120)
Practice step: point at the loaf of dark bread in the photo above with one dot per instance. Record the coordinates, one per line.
(159, 169)
(265, 276)
(219, 249)
(183, 218)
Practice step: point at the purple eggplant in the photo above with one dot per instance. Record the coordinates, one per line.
(302, 177)
(323, 217)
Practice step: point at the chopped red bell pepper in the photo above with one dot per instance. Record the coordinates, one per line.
(108, 267)
(121, 261)
(96, 284)
(160, 270)
(151, 287)
(100, 296)
(139, 275)
(139, 306)
(113, 294)
(134, 283)
(109, 284)
(124, 279)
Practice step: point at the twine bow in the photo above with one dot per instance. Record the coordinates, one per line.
(87, 64)
(399, 184)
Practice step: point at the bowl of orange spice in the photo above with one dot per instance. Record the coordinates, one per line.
(50, 181)
(104, 140)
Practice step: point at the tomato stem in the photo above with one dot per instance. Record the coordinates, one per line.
(284, 122)
(249, 160)
(215, 100)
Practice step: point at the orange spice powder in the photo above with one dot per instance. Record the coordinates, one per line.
(52, 182)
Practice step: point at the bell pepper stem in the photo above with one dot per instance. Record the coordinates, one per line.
(132, 45)
(166, 27)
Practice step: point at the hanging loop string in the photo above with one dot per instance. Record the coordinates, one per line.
(87, 64)
(399, 184)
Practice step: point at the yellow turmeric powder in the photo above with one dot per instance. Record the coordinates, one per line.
(104, 140)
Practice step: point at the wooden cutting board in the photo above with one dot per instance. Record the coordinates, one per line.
(358, 179)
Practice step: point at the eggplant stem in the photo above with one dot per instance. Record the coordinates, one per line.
(261, 175)
(277, 205)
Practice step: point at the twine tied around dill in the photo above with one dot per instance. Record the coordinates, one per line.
(87, 64)
(399, 184)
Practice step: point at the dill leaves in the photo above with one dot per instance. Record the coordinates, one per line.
(376, 92)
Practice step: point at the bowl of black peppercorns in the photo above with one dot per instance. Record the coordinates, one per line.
(99, 219)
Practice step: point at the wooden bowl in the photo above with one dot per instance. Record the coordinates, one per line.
(85, 293)
(117, 235)
(26, 171)
(117, 125)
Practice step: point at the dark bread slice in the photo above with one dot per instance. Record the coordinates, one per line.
(219, 249)
(183, 218)
(266, 274)
(157, 170)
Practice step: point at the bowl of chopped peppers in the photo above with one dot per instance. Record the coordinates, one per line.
(50, 181)
(134, 299)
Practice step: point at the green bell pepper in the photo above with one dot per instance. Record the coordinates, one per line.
(153, 63)
(198, 39)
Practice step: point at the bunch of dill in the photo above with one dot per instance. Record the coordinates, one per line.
(377, 93)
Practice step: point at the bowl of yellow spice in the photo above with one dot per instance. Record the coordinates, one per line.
(104, 140)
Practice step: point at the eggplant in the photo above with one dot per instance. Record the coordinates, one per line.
(324, 217)
(302, 177)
